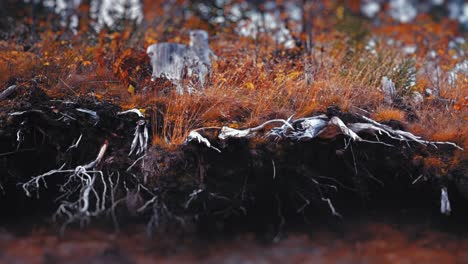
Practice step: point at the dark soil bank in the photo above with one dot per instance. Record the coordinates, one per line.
(258, 201)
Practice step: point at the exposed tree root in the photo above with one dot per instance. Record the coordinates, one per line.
(265, 174)
(322, 127)
(7, 92)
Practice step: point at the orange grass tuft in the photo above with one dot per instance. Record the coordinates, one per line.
(386, 114)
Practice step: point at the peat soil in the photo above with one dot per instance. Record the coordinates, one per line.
(257, 201)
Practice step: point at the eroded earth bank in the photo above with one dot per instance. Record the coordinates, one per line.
(81, 182)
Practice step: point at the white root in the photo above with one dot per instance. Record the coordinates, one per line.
(134, 111)
(309, 127)
(34, 183)
(274, 168)
(148, 203)
(140, 138)
(145, 137)
(19, 138)
(192, 197)
(99, 157)
(445, 207)
(141, 141)
(114, 203)
(369, 128)
(343, 128)
(317, 126)
(134, 141)
(135, 162)
(281, 131)
(85, 175)
(306, 203)
(227, 132)
(7, 92)
(92, 113)
(402, 135)
(76, 143)
(26, 112)
(418, 178)
(332, 208)
(194, 135)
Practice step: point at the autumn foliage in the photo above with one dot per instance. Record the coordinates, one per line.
(254, 79)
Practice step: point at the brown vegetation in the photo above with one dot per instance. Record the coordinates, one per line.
(253, 80)
(249, 84)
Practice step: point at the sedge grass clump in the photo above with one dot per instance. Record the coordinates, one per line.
(388, 113)
(441, 124)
